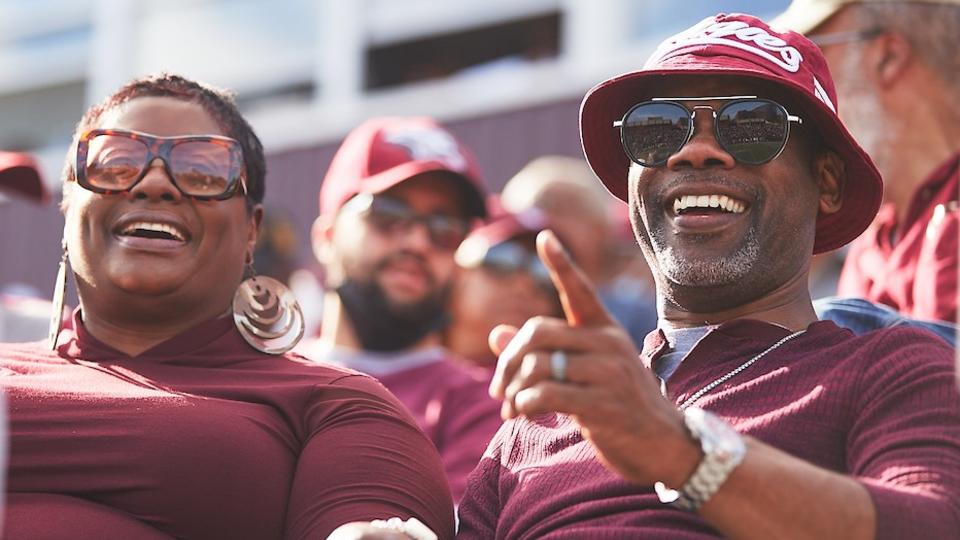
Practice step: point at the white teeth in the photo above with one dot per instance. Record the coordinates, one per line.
(151, 226)
(708, 201)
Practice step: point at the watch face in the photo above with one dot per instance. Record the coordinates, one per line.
(717, 437)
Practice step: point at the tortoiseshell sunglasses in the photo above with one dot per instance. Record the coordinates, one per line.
(204, 167)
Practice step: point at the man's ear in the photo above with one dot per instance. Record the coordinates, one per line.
(831, 174)
(890, 56)
(321, 237)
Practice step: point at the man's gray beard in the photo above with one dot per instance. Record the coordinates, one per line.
(706, 273)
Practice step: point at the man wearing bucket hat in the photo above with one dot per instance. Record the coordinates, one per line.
(745, 416)
(897, 72)
(397, 200)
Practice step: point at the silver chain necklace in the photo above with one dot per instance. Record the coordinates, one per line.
(690, 400)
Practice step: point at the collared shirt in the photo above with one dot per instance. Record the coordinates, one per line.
(882, 408)
(912, 266)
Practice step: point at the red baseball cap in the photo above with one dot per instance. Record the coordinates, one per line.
(740, 45)
(19, 173)
(384, 152)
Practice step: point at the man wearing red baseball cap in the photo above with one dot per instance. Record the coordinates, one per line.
(744, 416)
(399, 197)
(897, 71)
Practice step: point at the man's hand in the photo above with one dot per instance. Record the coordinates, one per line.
(610, 394)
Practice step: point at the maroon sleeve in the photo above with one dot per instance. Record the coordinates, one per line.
(480, 508)
(904, 444)
(365, 459)
(469, 420)
(49, 516)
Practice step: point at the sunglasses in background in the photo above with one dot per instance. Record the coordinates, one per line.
(751, 129)
(507, 258)
(391, 216)
(204, 167)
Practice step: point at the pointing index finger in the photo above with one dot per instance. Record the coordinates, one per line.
(581, 304)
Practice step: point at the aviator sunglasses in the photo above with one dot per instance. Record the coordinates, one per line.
(753, 130)
(390, 216)
(204, 167)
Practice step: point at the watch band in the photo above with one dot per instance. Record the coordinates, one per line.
(723, 450)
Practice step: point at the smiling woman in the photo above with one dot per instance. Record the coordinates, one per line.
(170, 407)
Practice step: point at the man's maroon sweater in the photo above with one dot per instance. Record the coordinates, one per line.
(883, 408)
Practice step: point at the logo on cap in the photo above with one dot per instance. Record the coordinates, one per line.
(736, 34)
(428, 144)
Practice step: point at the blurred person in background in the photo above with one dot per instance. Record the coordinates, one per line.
(897, 71)
(499, 280)
(578, 210)
(171, 407)
(399, 197)
(24, 314)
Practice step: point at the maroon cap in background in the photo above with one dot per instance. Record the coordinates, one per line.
(19, 174)
(745, 46)
(384, 152)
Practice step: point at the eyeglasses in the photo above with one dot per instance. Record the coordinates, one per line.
(507, 258)
(204, 167)
(391, 216)
(849, 36)
(751, 129)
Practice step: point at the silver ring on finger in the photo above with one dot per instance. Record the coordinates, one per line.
(558, 366)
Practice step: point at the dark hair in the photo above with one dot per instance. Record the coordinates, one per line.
(219, 104)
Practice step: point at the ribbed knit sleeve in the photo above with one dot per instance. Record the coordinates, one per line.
(904, 443)
(479, 510)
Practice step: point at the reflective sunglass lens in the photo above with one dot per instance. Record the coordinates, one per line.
(390, 215)
(114, 162)
(446, 232)
(752, 131)
(509, 257)
(505, 258)
(652, 132)
(386, 213)
(202, 169)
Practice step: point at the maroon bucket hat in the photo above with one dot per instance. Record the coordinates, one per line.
(745, 46)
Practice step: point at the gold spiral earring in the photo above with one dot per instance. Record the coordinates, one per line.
(267, 314)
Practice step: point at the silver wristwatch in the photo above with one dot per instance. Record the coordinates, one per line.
(723, 449)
